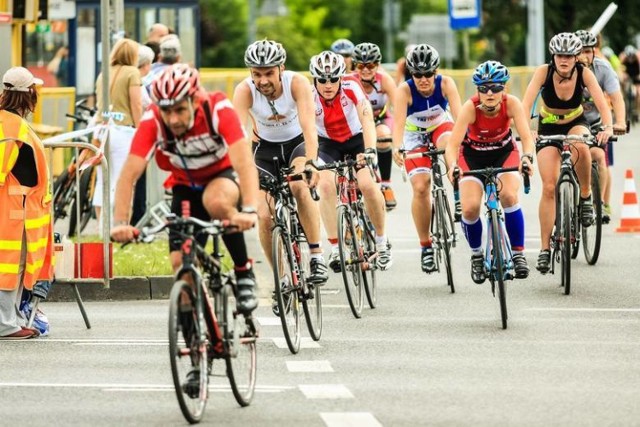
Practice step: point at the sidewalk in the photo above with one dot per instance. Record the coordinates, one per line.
(158, 287)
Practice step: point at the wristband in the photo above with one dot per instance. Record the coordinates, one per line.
(119, 223)
(249, 210)
(528, 156)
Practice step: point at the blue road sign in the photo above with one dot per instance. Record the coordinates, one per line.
(464, 14)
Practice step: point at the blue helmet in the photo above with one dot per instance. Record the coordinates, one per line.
(342, 47)
(490, 72)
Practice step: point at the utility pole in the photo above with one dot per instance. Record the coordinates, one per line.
(535, 35)
(251, 30)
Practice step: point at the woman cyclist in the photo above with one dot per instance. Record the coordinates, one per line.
(482, 138)
(420, 108)
(344, 48)
(560, 84)
(380, 89)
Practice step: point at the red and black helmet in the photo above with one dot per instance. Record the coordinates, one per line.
(175, 84)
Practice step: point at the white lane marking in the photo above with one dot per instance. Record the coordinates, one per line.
(329, 291)
(309, 366)
(140, 387)
(269, 321)
(349, 419)
(332, 306)
(587, 309)
(325, 391)
(305, 342)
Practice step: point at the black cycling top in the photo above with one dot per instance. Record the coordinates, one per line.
(550, 97)
(631, 65)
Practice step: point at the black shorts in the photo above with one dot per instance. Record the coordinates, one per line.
(331, 151)
(194, 196)
(471, 159)
(264, 152)
(555, 129)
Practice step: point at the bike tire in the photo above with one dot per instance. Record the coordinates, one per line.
(286, 290)
(87, 186)
(186, 352)
(565, 225)
(592, 236)
(498, 266)
(445, 227)
(60, 196)
(240, 343)
(368, 249)
(311, 303)
(349, 260)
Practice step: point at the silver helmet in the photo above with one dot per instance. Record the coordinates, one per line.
(565, 44)
(264, 53)
(327, 64)
(423, 59)
(366, 53)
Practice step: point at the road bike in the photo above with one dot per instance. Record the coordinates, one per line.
(356, 236)
(498, 262)
(291, 260)
(204, 324)
(442, 230)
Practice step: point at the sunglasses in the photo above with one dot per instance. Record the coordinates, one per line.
(421, 75)
(324, 81)
(492, 88)
(368, 66)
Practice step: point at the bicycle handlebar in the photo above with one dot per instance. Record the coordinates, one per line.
(408, 155)
(347, 163)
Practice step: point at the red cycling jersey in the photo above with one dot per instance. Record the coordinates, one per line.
(202, 152)
(338, 119)
(488, 133)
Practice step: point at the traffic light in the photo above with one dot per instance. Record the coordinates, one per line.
(24, 10)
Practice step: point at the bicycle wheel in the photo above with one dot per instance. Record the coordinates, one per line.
(312, 302)
(87, 185)
(368, 248)
(566, 218)
(592, 236)
(444, 224)
(286, 289)
(239, 336)
(61, 190)
(349, 260)
(498, 265)
(187, 353)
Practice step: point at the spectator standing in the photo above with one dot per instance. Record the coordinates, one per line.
(25, 197)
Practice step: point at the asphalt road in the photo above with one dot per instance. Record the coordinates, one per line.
(423, 357)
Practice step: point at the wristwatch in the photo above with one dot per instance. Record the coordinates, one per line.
(528, 156)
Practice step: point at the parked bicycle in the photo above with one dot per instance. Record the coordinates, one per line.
(203, 326)
(356, 236)
(291, 261)
(498, 262)
(442, 230)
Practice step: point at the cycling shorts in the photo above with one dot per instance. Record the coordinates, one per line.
(415, 143)
(330, 151)
(559, 129)
(264, 152)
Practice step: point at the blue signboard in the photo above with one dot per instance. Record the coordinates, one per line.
(464, 14)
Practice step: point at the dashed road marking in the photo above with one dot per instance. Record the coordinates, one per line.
(309, 366)
(325, 391)
(139, 387)
(587, 309)
(305, 342)
(349, 419)
(269, 321)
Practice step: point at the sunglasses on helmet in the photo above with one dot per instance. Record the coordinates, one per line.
(421, 75)
(495, 88)
(368, 66)
(323, 80)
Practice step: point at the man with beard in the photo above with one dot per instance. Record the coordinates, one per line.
(281, 109)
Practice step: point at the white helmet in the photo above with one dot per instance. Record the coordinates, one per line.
(264, 54)
(327, 64)
(565, 44)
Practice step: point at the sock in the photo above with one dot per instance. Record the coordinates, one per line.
(381, 240)
(384, 164)
(237, 248)
(426, 244)
(473, 232)
(334, 242)
(318, 256)
(514, 222)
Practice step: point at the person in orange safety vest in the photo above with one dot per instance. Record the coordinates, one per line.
(26, 233)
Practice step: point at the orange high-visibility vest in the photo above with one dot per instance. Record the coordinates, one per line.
(23, 209)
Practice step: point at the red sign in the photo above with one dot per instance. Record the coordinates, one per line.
(5, 18)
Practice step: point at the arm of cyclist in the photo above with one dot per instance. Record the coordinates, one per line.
(400, 103)
(601, 103)
(532, 92)
(516, 112)
(302, 94)
(619, 111)
(242, 161)
(450, 92)
(465, 118)
(365, 113)
(132, 169)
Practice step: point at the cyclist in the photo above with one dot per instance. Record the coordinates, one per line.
(196, 136)
(281, 108)
(344, 119)
(380, 89)
(420, 108)
(560, 84)
(345, 48)
(631, 67)
(610, 85)
(483, 130)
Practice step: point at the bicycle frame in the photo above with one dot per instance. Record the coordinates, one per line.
(492, 203)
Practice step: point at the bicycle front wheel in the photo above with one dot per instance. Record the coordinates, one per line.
(566, 218)
(312, 301)
(368, 248)
(498, 265)
(350, 260)
(87, 185)
(187, 353)
(286, 288)
(240, 342)
(444, 223)
(592, 236)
